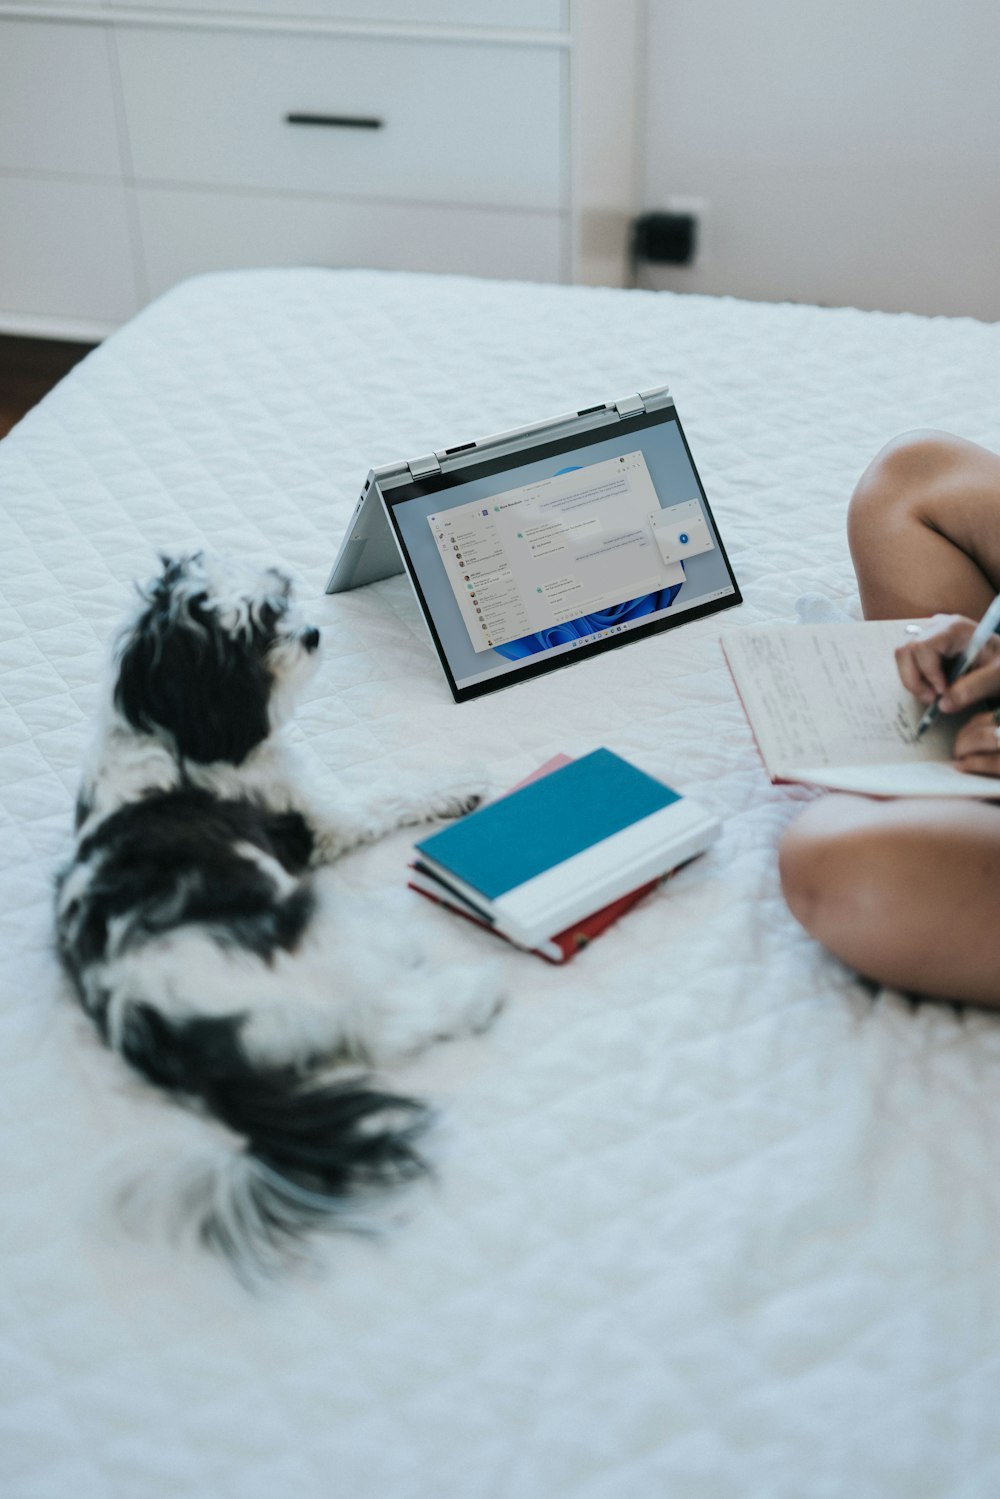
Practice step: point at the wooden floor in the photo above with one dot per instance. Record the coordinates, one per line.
(29, 367)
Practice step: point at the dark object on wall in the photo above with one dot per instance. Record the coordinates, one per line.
(665, 238)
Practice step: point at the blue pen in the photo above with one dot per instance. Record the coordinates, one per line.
(987, 626)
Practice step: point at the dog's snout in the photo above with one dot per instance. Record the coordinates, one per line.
(310, 638)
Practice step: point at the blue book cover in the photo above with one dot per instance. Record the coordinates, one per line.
(546, 822)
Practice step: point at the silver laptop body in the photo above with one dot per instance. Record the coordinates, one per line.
(369, 550)
(616, 541)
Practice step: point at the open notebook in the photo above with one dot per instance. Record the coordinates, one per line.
(827, 708)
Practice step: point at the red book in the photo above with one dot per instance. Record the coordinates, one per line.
(564, 945)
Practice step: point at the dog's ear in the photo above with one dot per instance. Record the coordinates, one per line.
(181, 674)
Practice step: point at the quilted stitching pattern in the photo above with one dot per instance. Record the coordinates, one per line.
(710, 1221)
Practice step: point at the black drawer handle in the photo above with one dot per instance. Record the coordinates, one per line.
(342, 122)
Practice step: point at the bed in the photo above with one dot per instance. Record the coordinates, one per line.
(709, 1217)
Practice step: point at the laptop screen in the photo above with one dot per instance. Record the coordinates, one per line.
(526, 562)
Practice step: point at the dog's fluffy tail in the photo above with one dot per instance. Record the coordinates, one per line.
(302, 1149)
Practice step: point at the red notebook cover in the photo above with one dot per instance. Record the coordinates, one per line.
(563, 946)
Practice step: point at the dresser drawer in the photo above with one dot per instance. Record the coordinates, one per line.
(185, 231)
(457, 122)
(65, 250)
(56, 99)
(521, 15)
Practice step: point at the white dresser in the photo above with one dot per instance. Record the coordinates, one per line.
(141, 143)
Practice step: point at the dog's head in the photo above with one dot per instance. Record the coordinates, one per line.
(214, 657)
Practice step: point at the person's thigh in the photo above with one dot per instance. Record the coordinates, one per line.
(924, 528)
(906, 892)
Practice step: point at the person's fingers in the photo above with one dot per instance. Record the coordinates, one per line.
(980, 765)
(925, 664)
(977, 746)
(921, 671)
(982, 681)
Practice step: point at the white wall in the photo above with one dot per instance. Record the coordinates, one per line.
(848, 153)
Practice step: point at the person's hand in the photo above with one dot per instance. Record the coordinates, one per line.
(977, 745)
(923, 664)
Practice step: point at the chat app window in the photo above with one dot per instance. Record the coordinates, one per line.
(470, 545)
(553, 550)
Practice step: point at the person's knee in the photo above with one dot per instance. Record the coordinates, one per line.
(836, 886)
(901, 477)
(804, 870)
(900, 892)
(822, 876)
(901, 508)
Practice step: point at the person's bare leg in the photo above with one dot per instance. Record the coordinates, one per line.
(905, 892)
(924, 528)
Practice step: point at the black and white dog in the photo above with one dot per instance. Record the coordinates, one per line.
(198, 920)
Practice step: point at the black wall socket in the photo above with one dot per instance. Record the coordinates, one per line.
(665, 238)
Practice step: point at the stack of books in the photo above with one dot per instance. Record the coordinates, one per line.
(563, 855)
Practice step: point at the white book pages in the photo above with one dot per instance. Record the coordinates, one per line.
(606, 871)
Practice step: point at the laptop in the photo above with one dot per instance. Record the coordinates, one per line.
(537, 548)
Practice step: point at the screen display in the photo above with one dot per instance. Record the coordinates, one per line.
(522, 564)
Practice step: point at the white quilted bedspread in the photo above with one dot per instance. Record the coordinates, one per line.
(710, 1219)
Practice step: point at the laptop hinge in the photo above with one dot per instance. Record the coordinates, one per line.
(421, 467)
(630, 406)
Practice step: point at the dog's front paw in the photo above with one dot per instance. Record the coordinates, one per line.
(331, 843)
(458, 798)
(337, 830)
(432, 802)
